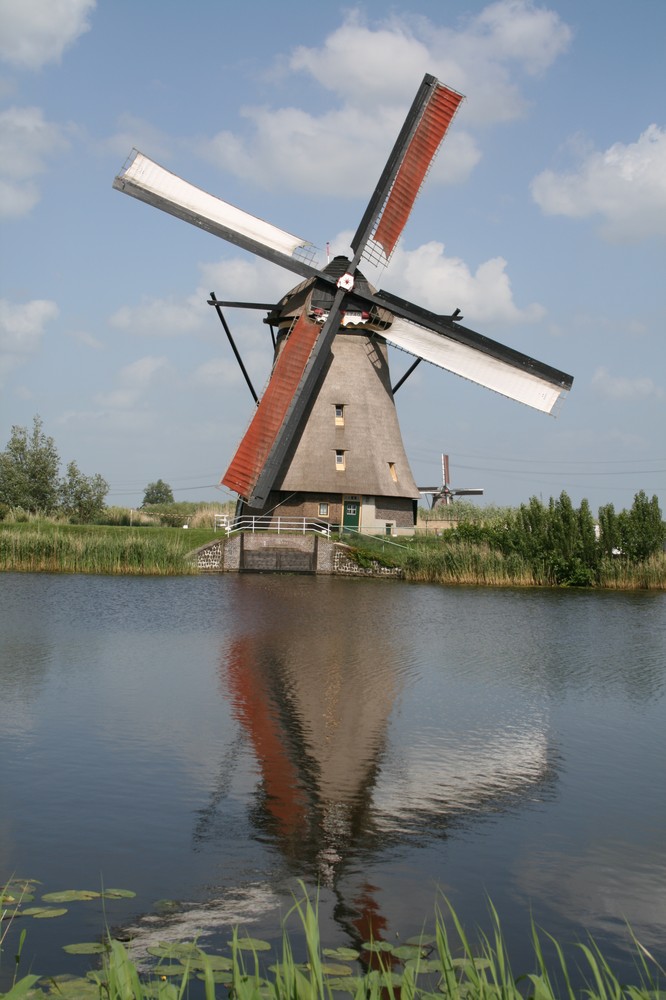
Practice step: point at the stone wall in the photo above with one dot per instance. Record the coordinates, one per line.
(289, 553)
(209, 557)
(347, 567)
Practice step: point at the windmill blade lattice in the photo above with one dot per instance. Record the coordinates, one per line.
(390, 206)
(147, 181)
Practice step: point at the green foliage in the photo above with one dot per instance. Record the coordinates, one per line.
(82, 496)
(30, 482)
(451, 962)
(157, 493)
(609, 531)
(29, 470)
(48, 548)
(641, 529)
(558, 542)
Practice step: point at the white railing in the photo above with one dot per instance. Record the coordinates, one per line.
(279, 525)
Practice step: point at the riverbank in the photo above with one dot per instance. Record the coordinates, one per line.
(47, 547)
(449, 961)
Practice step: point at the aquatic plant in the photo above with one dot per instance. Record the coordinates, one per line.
(445, 963)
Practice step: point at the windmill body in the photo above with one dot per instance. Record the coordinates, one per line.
(324, 440)
(346, 463)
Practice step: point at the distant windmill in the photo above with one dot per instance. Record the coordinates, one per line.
(445, 494)
(324, 440)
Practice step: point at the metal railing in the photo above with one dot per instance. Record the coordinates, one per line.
(279, 525)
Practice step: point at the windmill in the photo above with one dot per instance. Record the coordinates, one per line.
(324, 440)
(445, 493)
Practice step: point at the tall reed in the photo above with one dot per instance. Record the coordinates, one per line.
(114, 551)
(446, 964)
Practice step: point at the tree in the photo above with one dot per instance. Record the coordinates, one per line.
(29, 477)
(609, 531)
(158, 492)
(29, 470)
(641, 529)
(82, 496)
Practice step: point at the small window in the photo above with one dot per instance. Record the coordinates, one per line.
(394, 474)
(323, 510)
(339, 460)
(339, 415)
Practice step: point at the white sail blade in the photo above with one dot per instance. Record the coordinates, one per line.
(509, 379)
(148, 181)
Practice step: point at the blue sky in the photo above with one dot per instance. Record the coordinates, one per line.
(543, 219)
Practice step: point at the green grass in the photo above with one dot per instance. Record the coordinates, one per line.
(42, 546)
(459, 561)
(445, 963)
(48, 546)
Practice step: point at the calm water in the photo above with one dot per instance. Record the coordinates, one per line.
(213, 740)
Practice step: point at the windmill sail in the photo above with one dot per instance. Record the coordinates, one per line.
(488, 364)
(305, 347)
(269, 417)
(424, 129)
(146, 180)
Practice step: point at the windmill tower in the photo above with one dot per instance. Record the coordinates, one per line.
(324, 440)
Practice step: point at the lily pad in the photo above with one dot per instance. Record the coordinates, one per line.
(477, 963)
(164, 906)
(43, 912)
(118, 894)
(170, 969)
(349, 984)
(377, 946)
(85, 948)
(70, 895)
(344, 954)
(13, 898)
(215, 962)
(175, 949)
(335, 969)
(251, 944)
(407, 951)
(72, 988)
(223, 976)
(382, 979)
(160, 989)
(424, 965)
(422, 940)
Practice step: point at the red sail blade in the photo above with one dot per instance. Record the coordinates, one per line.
(430, 131)
(254, 449)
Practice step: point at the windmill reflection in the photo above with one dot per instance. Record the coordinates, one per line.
(317, 725)
(314, 691)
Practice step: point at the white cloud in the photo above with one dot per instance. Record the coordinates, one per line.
(36, 32)
(442, 284)
(372, 73)
(161, 317)
(21, 331)
(244, 280)
(625, 185)
(134, 132)
(216, 372)
(619, 387)
(133, 382)
(383, 65)
(26, 142)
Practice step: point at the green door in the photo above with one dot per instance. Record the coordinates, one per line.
(351, 512)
